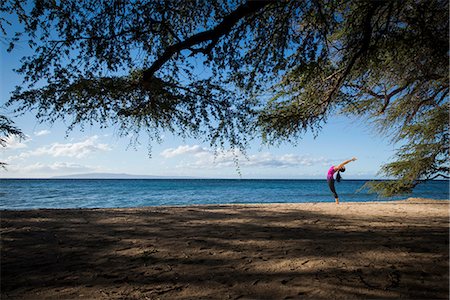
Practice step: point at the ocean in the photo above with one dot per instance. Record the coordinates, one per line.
(115, 193)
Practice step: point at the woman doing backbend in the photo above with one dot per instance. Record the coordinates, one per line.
(330, 178)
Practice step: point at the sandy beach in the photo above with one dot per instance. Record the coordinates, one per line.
(385, 250)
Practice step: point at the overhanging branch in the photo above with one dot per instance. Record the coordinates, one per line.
(439, 175)
(364, 46)
(212, 35)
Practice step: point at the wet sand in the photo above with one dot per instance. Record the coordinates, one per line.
(385, 250)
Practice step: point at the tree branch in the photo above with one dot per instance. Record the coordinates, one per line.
(212, 35)
(387, 98)
(366, 90)
(430, 101)
(439, 175)
(364, 46)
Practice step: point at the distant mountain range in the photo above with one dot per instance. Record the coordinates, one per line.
(117, 176)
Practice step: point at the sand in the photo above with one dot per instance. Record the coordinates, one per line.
(276, 251)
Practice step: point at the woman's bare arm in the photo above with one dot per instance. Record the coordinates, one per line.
(344, 163)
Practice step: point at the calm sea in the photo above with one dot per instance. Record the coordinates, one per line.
(108, 193)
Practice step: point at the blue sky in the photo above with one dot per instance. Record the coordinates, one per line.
(48, 151)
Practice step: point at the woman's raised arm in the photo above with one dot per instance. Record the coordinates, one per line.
(344, 163)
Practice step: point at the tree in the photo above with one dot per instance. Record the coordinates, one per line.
(226, 71)
(387, 62)
(7, 129)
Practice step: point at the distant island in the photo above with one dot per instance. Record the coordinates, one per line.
(116, 176)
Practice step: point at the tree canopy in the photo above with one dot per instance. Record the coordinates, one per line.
(226, 71)
(8, 129)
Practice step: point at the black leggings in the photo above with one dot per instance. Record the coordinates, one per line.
(332, 188)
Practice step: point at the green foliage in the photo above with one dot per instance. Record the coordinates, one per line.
(7, 129)
(386, 62)
(228, 71)
(423, 157)
(127, 63)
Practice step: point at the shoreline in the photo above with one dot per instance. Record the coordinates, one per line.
(354, 250)
(409, 200)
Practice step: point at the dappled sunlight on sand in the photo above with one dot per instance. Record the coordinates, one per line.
(316, 251)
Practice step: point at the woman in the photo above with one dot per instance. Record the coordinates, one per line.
(330, 178)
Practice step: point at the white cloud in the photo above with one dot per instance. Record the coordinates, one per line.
(57, 166)
(202, 158)
(77, 150)
(42, 132)
(268, 160)
(41, 169)
(13, 142)
(183, 150)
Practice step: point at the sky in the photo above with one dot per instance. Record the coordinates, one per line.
(50, 151)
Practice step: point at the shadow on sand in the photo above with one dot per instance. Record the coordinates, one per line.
(223, 252)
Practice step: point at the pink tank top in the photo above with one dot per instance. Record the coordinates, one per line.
(330, 173)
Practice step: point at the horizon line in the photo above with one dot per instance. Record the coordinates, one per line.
(189, 178)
